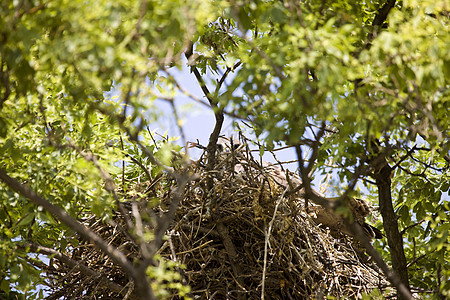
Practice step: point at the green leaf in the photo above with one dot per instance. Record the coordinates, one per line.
(26, 220)
(244, 18)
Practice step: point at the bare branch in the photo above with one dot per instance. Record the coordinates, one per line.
(224, 76)
(178, 121)
(408, 154)
(266, 241)
(73, 224)
(76, 265)
(137, 274)
(219, 115)
(164, 222)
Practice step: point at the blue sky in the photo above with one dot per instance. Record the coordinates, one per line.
(198, 120)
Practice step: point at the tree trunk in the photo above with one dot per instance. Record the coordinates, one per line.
(394, 238)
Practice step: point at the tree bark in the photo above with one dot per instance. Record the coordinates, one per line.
(394, 237)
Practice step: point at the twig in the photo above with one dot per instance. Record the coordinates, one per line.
(117, 256)
(146, 171)
(266, 242)
(78, 266)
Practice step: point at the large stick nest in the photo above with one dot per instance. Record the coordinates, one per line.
(246, 235)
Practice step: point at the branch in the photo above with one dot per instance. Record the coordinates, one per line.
(390, 224)
(224, 76)
(164, 221)
(422, 175)
(356, 229)
(138, 275)
(358, 232)
(219, 115)
(76, 265)
(411, 226)
(211, 160)
(199, 78)
(135, 138)
(117, 256)
(306, 170)
(266, 241)
(144, 168)
(178, 121)
(383, 12)
(408, 154)
(109, 182)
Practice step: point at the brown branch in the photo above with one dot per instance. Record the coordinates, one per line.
(178, 121)
(411, 226)
(428, 166)
(139, 277)
(211, 160)
(358, 232)
(123, 164)
(164, 222)
(396, 280)
(76, 265)
(315, 148)
(408, 154)
(383, 12)
(378, 22)
(109, 182)
(306, 170)
(19, 13)
(224, 76)
(199, 77)
(422, 175)
(219, 115)
(134, 136)
(117, 256)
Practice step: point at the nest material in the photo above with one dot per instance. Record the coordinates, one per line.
(255, 238)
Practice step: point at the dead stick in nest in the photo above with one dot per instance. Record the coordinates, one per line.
(93, 275)
(266, 242)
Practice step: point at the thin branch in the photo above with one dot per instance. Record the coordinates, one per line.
(76, 265)
(153, 139)
(146, 253)
(408, 154)
(133, 136)
(199, 78)
(117, 256)
(266, 241)
(137, 274)
(144, 168)
(164, 222)
(411, 226)
(224, 76)
(315, 148)
(306, 170)
(178, 121)
(414, 174)
(428, 166)
(109, 182)
(219, 115)
(123, 164)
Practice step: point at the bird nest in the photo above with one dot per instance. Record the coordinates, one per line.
(246, 237)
